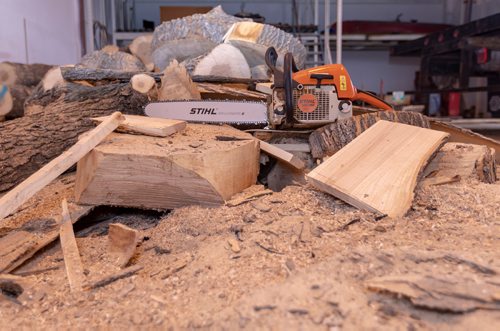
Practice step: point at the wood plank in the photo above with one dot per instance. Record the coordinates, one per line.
(378, 170)
(460, 135)
(122, 243)
(11, 201)
(156, 127)
(302, 148)
(282, 155)
(19, 246)
(72, 261)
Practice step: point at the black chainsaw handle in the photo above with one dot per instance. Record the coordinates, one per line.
(289, 67)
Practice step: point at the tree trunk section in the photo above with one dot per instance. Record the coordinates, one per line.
(330, 138)
(22, 74)
(52, 123)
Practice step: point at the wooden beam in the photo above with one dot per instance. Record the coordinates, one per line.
(72, 261)
(11, 201)
(149, 126)
(378, 170)
(282, 155)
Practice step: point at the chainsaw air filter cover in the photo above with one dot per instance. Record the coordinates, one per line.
(317, 105)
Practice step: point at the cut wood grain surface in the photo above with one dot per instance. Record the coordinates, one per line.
(11, 201)
(150, 126)
(122, 243)
(72, 261)
(378, 170)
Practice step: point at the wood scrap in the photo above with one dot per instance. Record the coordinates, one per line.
(141, 48)
(465, 161)
(122, 243)
(282, 155)
(52, 123)
(149, 126)
(439, 293)
(192, 168)
(112, 60)
(378, 170)
(18, 246)
(221, 92)
(124, 273)
(142, 83)
(224, 60)
(247, 198)
(440, 180)
(11, 201)
(460, 135)
(330, 138)
(177, 85)
(72, 261)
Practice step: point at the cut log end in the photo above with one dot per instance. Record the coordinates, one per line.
(142, 83)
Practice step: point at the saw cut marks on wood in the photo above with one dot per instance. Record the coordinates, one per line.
(299, 99)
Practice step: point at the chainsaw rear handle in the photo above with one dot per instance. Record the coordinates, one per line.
(289, 67)
(372, 100)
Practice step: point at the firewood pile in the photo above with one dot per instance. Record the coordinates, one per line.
(88, 120)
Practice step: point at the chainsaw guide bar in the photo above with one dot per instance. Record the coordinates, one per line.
(211, 111)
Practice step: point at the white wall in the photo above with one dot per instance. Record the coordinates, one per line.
(52, 31)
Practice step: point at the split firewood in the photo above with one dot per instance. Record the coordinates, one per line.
(331, 138)
(12, 200)
(224, 60)
(72, 261)
(181, 170)
(114, 60)
(53, 122)
(122, 243)
(177, 85)
(22, 74)
(141, 47)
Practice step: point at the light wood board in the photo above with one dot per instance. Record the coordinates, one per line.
(72, 261)
(378, 170)
(11, 201)
(282, 155)
(149, 126)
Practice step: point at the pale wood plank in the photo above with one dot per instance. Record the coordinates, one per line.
(282, 155)
(378, 170)
(72, 261)
(11, 201)
(156, 127)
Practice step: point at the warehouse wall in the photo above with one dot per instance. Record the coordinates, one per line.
(52, 31)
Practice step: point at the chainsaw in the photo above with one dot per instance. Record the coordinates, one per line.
(299, 99)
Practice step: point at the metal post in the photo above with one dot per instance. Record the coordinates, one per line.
(326, 38)
(338, 25)
(316, 23)
(89, 28)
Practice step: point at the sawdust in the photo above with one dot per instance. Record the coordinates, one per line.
(297, 259)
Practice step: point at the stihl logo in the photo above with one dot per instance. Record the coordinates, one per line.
(203, 111)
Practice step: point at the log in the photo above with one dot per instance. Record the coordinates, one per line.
(330, 138)
(71, 255)
(112, 60)
(180, 170)
(466, 136)
(53, 122)
(176, 84)
(19, 93)
(11, 201)
(224, 61)
(189, 36)
(378, 170)
(122, 243)
(22, 74)
(141, 48)
(464, 160)
(253, 39)
(142, 83)
(72, 74)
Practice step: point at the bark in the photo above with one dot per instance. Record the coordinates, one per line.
(22, 74)
(115, 61)
(330, 138)
(19, 95)
(53, 121)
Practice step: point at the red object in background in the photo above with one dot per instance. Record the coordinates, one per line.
(388, 27)
(454, 104)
